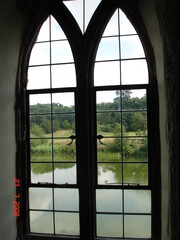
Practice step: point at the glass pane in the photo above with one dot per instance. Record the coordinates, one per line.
(135, 174)
(125, 25)
(41, 222)
(40, 198)
(106, 73)
(135, 149)
(108, 49)
(41, 150)
(40, 103)
(63, 76)
(91, 6)
(56, 31)
(44, 32)
(40, 54)
(137, 226)
(109, 173)
(134, 72)
(131, 47)
(67, 223)
(134, 99)
(76, 8)
(110, 152)
(63, 152)
(135, 123)
(108, 100)
(108, 124)
(63, 125)
(41, 173)
(38, 77)
(109, 225)
(61, 52)
(108, 200)
(137, 201)
(66, 199)
(65, 173)
(112, 26)
(63, 102)
(40, 126)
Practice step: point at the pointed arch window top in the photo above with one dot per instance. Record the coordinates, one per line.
(120, 57)
(51, 63)
(50, 30)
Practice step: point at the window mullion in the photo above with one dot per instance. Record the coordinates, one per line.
(83, 156)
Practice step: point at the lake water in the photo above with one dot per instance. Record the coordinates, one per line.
(119, 213)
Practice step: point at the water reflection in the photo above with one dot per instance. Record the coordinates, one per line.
(40, 198)
(63, 173)
(109, 210)
(111, 204)
(109, 225)
(133, 174)
(67, 223)
(41, 222)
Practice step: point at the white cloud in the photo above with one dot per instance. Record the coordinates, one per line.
(38, 77)
(106, 73)
(40, 54)
(134, 72)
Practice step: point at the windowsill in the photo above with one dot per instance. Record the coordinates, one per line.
(44, 236)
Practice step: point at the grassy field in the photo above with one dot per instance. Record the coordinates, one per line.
(110, 150)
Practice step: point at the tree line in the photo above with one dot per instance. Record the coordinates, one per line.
(125, 110)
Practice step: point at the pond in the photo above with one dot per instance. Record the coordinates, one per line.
(119, 213)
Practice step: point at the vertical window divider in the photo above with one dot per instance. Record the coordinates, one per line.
(28, 158)
(52, 135)
(122, 160)
(84, 10)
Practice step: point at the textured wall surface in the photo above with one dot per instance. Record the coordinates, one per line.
(168, 14)
(10, 42)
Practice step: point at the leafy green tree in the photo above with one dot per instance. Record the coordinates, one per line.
(56, 125)
(66, 124)
(139, 122)
(46, 125)
(36, 130)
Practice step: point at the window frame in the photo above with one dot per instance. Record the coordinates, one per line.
(84, 89)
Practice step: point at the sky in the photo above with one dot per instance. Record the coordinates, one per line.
(105, 73)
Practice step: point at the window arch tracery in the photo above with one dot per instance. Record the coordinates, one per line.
(109, 99)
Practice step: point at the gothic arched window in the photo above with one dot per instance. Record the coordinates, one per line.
(89, 126)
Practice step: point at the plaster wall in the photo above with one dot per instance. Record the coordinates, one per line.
(148, 10)
(10, 42)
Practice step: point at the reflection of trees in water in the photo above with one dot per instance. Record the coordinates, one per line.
(40, 168)
(132, 173)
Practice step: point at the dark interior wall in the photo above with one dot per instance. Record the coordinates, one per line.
(162, 24)
(162, 19)
(11, 27)
(169, 18)
(148, 11)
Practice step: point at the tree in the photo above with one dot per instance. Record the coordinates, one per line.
(56, 125)
(46, 124)
(66, 124)
(139, 122)
(36, 130)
